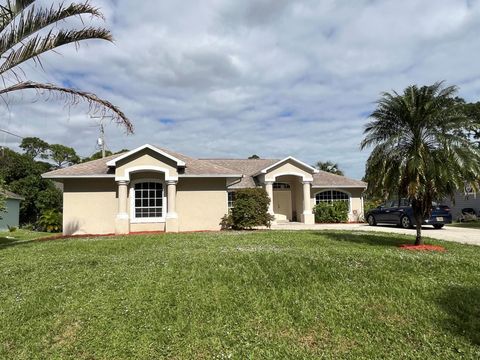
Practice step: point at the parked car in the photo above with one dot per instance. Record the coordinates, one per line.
(401, 213)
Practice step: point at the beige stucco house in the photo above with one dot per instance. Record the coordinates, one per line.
(154, 189)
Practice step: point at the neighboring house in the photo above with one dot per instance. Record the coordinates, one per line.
(10, 218)
(466, 198)
(154, 189)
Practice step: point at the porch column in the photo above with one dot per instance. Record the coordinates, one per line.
(307, 216)
(171, 224)
(269, 190)
(122, 221)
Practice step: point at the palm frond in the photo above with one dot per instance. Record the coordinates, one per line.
(10, 10)
(39, 44)
(33, 20)
(97, 105)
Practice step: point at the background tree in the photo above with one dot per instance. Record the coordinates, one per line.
(329, 166)
(422, 150)
(254, 157)
(22, 175)
(472, 112)
(34, 147)
(28, 31)
(63, 155)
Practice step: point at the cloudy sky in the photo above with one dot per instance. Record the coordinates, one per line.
(229, 78)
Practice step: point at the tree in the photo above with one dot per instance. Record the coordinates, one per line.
(472, 112)
(28, 31)
(254, 157)
(34, 147)
(63, 155)
(422, 149)
(330, 167)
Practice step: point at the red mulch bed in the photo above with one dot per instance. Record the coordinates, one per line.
(422, 247)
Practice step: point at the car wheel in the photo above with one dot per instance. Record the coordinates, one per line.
(371, 220)
(438, 226)
(405, 222)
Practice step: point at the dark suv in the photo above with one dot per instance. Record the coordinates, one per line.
(401, 213)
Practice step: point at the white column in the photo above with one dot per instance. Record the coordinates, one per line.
(171, 199)
(122, 222)
(171, 224)
(307, 216)
(269, 190)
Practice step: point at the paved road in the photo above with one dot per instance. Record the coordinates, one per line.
(448, 233)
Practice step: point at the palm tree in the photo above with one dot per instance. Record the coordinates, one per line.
(422, 148)
(27, 32)
(330, 167)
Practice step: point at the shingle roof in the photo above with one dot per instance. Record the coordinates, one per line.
(247, 167)
(196, 167)
(11, 195)
(326, 179)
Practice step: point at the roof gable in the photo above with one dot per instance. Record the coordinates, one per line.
(287, 159)
(114, 161)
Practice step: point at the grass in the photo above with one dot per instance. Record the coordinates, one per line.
(10, 238)
(469, 224)
(258, 295)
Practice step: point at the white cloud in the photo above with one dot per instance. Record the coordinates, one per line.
(232, 78)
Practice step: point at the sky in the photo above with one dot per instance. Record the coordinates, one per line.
(229, 78)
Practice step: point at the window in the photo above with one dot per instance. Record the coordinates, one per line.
(278, 185)
(330, 196)
(148, 200)
(231, 198)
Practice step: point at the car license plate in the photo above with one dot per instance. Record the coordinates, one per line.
(439, 218)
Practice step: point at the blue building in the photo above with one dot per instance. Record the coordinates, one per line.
(12, 214)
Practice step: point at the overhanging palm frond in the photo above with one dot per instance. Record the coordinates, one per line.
(33, 20)
(27, 32)
(74, 97)
(41, 44)
(11, 9)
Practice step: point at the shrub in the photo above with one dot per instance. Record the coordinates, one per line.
(250, 209)
(11, 228)
(50, 221)
(336, 212)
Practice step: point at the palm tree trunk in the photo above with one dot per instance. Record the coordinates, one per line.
(419, 239)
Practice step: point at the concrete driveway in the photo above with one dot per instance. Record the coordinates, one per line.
(448, 233)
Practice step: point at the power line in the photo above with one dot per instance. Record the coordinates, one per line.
(10, 133)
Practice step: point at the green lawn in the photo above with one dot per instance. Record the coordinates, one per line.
(469, 224)
(274, 295)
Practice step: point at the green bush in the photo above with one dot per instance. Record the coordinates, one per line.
(336, 212)
(250, 209)
(50, 221)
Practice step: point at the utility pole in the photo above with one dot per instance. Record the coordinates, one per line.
(101, 139)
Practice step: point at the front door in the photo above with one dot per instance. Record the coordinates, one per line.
(282, 204)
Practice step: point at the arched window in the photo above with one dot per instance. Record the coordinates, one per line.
(148, 201)
(329, 196)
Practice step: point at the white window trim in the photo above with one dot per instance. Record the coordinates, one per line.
(228, 207)
(133, 219)
(350, 205)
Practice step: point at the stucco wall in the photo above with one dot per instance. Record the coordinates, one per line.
(89, 206)
(201, 203)
(10, 217)
(356, 211)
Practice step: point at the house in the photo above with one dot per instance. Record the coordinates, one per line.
(465, 198)
(10, 218)
(155, 189)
